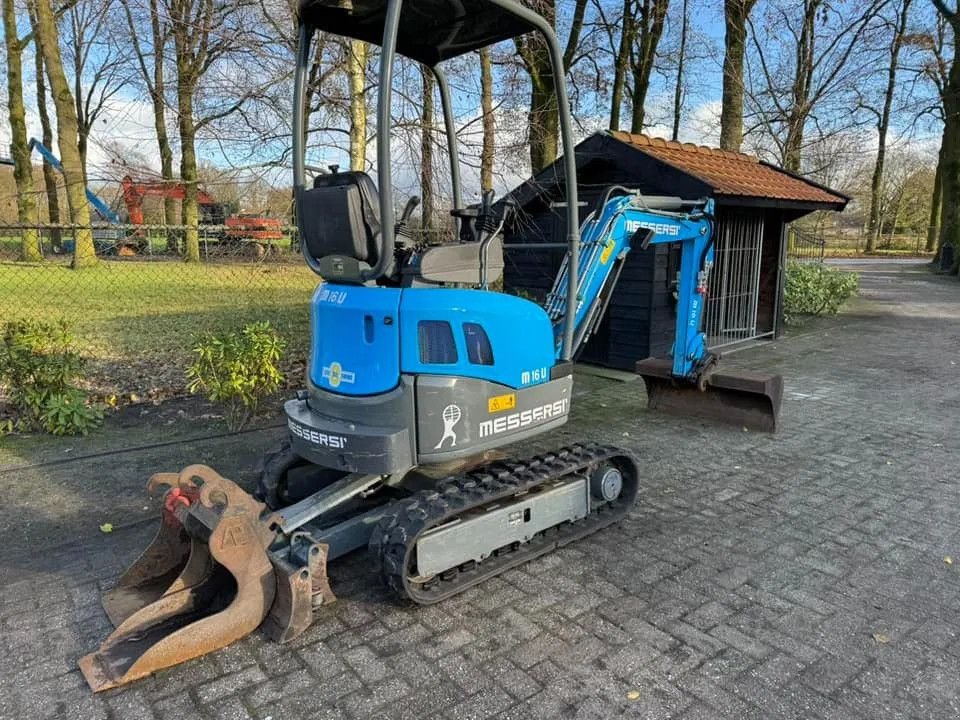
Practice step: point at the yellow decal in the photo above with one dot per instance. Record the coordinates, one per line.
(500, 403)
(336, 374)
(607, 252)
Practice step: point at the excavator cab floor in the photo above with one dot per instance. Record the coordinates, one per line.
(733, 397)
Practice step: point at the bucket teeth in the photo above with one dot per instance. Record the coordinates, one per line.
(204, 582)
(733, 397)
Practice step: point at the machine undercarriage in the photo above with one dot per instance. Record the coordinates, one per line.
(223, 563)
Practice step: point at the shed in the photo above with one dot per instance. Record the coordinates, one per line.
(755, 201)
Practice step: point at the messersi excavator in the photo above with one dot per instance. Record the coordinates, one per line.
(417, 372)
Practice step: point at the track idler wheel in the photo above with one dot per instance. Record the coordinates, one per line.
(204, 582)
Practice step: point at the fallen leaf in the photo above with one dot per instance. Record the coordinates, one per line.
(633, 695)
(948, 560)
(106, 528)
(881, 638)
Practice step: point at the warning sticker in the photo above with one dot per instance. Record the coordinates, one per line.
(499, 403)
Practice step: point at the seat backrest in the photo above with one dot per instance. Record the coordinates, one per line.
(340, 216)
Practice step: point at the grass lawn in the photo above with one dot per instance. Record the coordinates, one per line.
(137, 320)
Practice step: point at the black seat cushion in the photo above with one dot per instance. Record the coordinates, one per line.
(340, 215)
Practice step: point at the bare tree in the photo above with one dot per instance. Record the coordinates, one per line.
(646, 28)
(150, 60)
(934, 68)
(47, 37)
(621, 63)
(678, 89)
(426, 150)
(46, 129)
(735, 15)
(357, 56)
(819, 57)
(543, 120)
(897, 27)
(19, 149)
(950, 158)
(96, 62)
(489, 122)
(206, 36)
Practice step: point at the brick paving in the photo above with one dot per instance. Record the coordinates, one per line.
(801, 575)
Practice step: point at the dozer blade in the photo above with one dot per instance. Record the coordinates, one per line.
(205, 581)
(746, 399)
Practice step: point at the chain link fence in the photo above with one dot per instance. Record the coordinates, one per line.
(137, 312)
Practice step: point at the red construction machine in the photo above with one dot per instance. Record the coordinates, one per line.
(256, 231)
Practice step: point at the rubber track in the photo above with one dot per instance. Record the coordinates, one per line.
(395, 538)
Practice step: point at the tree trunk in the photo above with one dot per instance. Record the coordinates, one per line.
(49, 174)
(189, 208)
(426, 151)
(157, 97)
(936, 204)
(621, 64)
(489, 123)
(735, 14)
(678, 90)
(800, 93)
(653, 13)
(543, 119)
(83, 132)
(47, 38)
(950, 218)
(883, 124)
(20, 150)
(357, 69)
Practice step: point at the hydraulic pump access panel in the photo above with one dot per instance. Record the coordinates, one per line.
(402, 377)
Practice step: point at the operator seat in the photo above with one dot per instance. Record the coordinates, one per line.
(340, 224)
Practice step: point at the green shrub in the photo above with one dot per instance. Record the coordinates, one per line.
(38, 366)
(815, 289)
(238, 369)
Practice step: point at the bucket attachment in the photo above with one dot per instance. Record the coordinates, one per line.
(204, 582)
(750, 400)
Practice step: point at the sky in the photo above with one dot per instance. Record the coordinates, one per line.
(125, 132)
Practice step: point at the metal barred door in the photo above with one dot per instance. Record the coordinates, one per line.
(731, 310)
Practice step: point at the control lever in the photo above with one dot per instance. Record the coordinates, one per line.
(401, 238)
(408, 209)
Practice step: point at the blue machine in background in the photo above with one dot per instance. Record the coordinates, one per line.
(104, 210)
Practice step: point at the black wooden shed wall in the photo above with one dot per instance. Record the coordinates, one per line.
(640, 319)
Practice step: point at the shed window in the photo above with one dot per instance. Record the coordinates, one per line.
(478, 344)
(436, 342)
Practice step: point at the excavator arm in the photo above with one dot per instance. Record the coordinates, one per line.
(688, 381)
(629, 220)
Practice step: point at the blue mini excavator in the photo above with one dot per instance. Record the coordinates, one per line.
(417, 371)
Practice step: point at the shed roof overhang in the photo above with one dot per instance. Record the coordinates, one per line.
(732, 179)
(430, 31)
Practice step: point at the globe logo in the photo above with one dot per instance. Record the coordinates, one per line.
(451, 416)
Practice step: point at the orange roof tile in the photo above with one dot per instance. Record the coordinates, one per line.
(731, 173)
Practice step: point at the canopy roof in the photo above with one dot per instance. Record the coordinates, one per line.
(430, 30)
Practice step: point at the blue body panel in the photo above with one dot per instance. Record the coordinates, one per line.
(355, 339)
(363, 338)
(519, 331)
